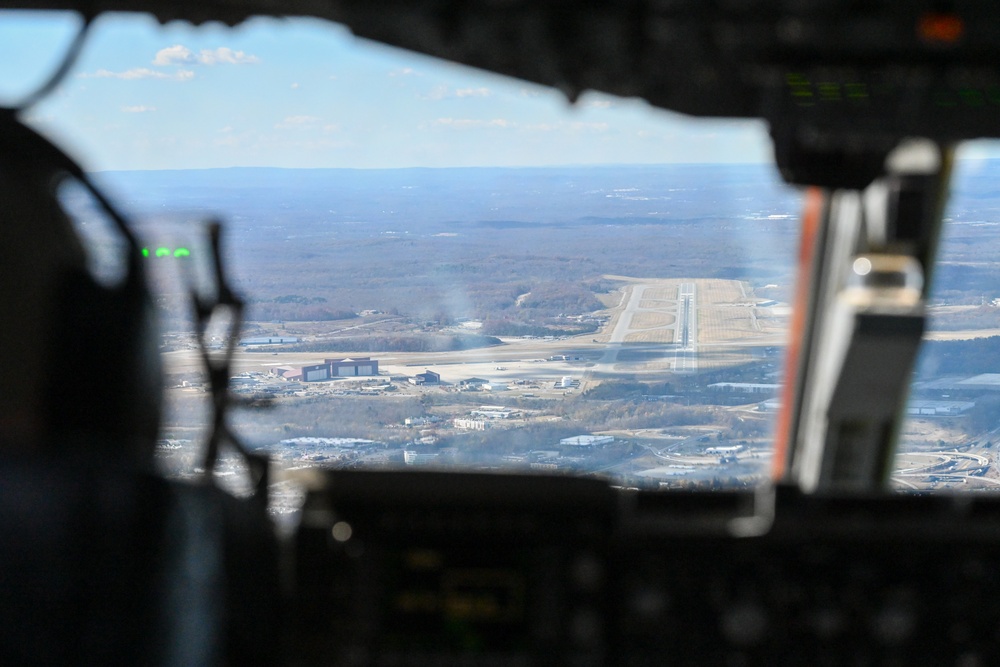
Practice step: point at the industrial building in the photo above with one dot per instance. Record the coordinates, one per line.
(416, 458)
(362, 366)
(938, 408)
(735, 449)
(471, 424)
(329, 369)
(587, 440)
(421, 421)
(970, 387)
(492, 414)
(269, 340)
(745, 387)
(427, 377)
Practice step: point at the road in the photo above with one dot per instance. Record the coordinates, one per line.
(945, 466)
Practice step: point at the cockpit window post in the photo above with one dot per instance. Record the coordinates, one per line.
(867, 322)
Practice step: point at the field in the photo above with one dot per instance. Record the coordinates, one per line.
(652, 319)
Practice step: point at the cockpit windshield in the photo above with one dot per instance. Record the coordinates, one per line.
(443, 267)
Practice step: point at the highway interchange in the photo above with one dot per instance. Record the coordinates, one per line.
(919, 470)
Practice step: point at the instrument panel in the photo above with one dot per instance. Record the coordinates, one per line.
(471, 569)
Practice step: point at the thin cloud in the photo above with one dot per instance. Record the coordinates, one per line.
(138, 108)
(226, 55)
(173, 55)
(443, 92)
(464, 123)
(561, 126)
(439, 92)
(405, 71)
(297, 121)
(178, 54)
(473, 92)
(295, 86)
(140, 73)
(503, 123)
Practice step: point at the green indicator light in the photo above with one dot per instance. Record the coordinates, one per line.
(829, 91)
(163, 251)
(800, 89)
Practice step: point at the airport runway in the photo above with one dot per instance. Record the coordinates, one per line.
(682, 325)
(686, 348)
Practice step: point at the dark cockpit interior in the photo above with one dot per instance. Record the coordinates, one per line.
(103, 561)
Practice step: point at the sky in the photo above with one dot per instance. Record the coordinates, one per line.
(307, 93)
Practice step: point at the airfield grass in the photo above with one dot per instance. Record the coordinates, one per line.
(651, 320)
(667, 293)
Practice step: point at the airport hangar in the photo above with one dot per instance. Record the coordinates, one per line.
(331, 368)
